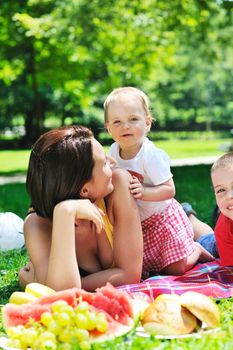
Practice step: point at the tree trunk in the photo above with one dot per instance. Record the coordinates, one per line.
(36, 111)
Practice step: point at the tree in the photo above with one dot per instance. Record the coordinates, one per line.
(62, 57)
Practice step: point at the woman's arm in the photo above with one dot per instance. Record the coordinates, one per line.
(51, 247)
(127, 241)
(37, 233)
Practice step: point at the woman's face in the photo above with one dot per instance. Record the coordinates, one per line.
(101, 183)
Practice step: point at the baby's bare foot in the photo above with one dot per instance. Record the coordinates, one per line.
(204, 254)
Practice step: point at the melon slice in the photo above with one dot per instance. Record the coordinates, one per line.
(21, 298)
(38, 289)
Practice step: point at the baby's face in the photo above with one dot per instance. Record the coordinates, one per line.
(127, 120)
(222, 179)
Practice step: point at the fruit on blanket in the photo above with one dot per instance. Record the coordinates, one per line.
(115, 302)
(68, 295)
(166, 316)
(38, 289)
(203, 307)
(21, 298)
(14, 315)
(72, 316)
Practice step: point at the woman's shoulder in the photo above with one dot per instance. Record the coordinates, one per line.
(34, 223)
(120, 175)
(120, 180)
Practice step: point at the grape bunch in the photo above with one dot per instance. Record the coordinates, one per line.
(64, 328)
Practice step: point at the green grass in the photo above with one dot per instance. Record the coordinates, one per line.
(14, 198)
(16, 161)
(193, 148)
(193, 185)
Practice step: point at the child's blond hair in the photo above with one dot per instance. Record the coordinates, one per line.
(124, 91)
(224, 161)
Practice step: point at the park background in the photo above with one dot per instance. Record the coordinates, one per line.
(59, 59)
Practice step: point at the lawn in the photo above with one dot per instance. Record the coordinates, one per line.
(16, 161)
(193, 185)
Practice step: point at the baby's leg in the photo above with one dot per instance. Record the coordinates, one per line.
(180, 267)
(204, 255)
(200, 228)
(26, 275)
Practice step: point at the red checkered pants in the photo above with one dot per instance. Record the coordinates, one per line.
(167, 238)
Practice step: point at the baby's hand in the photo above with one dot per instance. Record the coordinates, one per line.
(136, 188)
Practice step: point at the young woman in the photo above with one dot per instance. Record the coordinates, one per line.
(84, 228)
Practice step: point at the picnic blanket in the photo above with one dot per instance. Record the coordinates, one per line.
(209, 278)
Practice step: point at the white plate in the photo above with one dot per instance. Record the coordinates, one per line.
(142, 333)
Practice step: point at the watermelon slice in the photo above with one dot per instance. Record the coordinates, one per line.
(69, 295)
(14, 315)
(116, 304)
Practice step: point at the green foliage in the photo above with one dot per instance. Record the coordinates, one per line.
(61, 58)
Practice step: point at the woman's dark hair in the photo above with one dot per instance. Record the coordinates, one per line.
(60, 164)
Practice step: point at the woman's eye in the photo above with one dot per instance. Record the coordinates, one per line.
(116, 122)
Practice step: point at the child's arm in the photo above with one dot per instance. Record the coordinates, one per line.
(154, 193)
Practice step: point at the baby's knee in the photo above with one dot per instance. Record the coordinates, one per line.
(175, 269)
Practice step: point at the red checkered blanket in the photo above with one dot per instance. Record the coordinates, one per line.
(210, 279)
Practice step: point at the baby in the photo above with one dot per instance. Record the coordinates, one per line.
(169, 246)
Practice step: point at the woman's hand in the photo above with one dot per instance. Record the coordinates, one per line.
(82, 209)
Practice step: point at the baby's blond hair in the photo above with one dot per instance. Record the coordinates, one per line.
(224, 161)
(124, 91)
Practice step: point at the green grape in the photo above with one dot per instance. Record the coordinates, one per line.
(81, 334)
(102, 324)
(54, 327)
(91, 321)
(81, 320)
(68, 310)
(85, 345)
(63, 319)
(46, 318)
(15, 332)
(65, 336)
(29, 336)
(47, 336)
(57, 306)
(48, 345)
(55, 315)
(15, 343)
(64, 346)
(83, 306)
